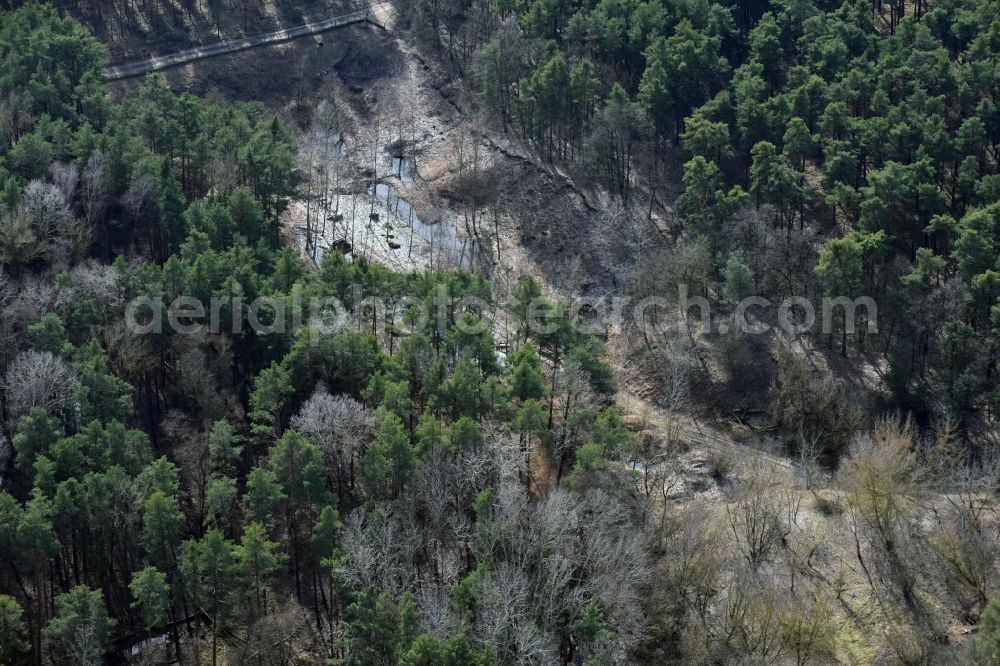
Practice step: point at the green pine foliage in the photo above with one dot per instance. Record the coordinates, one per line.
(145, 500)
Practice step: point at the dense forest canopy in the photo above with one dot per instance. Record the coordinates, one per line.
(871, 127)
(397, 489)
(166, 483)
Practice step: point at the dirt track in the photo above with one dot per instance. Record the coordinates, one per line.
(158, 63)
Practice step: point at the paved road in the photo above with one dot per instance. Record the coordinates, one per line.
(156, 63)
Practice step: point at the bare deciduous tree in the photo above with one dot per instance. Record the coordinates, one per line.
(964, 537)
(8, 289)
(94, 188)
(274, 638)
(752, 621)
(808, 631)
(96, 282)
(756, 515)
(15, 116)
(340, 426)
(882, 480)
(675, 377)
(619, 236)
(42, 226)
(378, 548)
(139, 197)
(65, 177)
(38, 379)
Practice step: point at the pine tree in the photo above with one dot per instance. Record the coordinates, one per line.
(36, 431)
(162, 530)
(526, 380)
(257, 562)
(173, 226)
(263, 496)
(151, 595)
(81, 625)
(12, 629)
(209, 569)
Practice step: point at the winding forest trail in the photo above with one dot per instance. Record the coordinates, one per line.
(371, 13)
